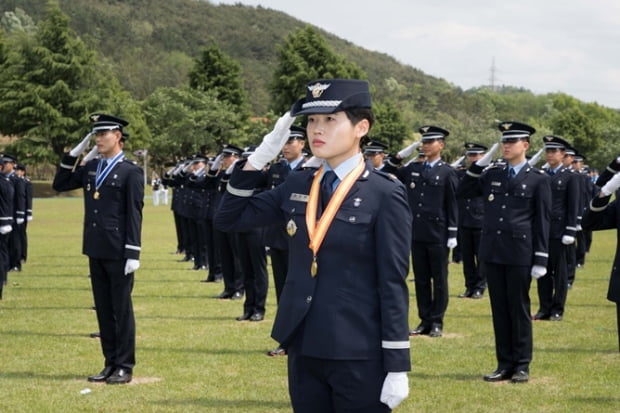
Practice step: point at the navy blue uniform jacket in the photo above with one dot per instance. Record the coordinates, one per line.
(112, 223)
(356, 308)
(515, 227)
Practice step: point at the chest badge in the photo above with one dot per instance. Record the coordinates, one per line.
(357, 202)
(412, 185)
(291, 228)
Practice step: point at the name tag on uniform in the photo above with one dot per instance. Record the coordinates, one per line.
(496, 183)
(299, 197)
(93, 173)
(415, 174)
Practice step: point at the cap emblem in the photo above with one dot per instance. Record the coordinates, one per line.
(317, 89)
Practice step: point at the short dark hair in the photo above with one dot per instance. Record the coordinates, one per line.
(357, 114)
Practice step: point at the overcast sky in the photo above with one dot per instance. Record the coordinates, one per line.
(570, 46)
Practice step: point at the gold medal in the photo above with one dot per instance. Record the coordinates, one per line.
(96, 195)
(291, 228)
(314, 267)
(491, 197)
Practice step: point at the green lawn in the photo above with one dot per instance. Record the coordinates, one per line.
(193, 356)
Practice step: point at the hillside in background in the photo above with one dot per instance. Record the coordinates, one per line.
(153, 43)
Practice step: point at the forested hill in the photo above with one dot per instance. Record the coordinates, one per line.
(154, 43)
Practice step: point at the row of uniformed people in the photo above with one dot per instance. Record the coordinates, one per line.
(238, 258)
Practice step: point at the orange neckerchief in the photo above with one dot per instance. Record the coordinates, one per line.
(316, 232)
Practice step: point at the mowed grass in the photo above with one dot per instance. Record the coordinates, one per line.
(192, 356)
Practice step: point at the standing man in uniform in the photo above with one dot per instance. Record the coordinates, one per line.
(7, 191)
(20, 170)
(343, 312)
(19, 213)
(113, 201)
(431, 186)
(513, 246)
(565, 207)
(470, 228)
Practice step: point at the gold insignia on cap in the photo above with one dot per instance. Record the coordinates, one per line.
(94, 118)
(548, 138)
(506, 126)
(425, 129)
(318, 88)
(470, 145)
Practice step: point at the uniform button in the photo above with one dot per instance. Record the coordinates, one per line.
(503, 206)
(424, 184)
(95, 211)
(501, 219)
(467, 207)
(506, 194)
(351, 219)
(499, 231)
(94, 224)
(308, 299)
(420, 204)
(417, 215)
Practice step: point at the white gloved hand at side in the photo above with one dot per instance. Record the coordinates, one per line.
(486, 159)
(568, 239)
(272, 143)
(538, 271)
(5, 229)
(81, 147)
(19, 221)
(452, 243)
(407, 151)
(612, 185)
(395, 389)
(131, 265)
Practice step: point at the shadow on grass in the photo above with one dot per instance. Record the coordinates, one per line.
(29, 375)
(188, 318)
(206, 351)
(247, 405)
(19, 333)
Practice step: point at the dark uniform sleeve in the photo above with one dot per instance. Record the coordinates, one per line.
(66, 178)
(541, 224)
(451, 207)
(573, 207)
(135, 202)
(393, 266)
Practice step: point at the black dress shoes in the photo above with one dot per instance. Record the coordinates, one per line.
(244, 317)
(540, 316)
(435, 331)
(498, 375)
(466, 294)
(257, 317)
(277, 352)
(96, 334)
(420, 330)
(556, 317)
(237, 295)
(520, 376)
(102, 376)
(120, 376)
(224, 295)
(476, 295)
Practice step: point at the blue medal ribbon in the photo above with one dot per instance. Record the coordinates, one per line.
(102, 175)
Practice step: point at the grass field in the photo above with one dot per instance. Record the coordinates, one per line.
(192, 356)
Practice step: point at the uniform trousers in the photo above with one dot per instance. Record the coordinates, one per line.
(178, 224)
(553, 287)
(509, 287)
(430, 268)
(581, 247)
(253, 260)
(334, 386)
(198, 243)
(4, 259)
(571, 260)
(112, 293)
(232, 275)
(469, 240)
(15, 246)
(213, 254)
(279, 267)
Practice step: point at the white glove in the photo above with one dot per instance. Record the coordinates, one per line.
(568, 239)
(217, 162)
(272, 143)
(538, 271)
(81, 147)
(456, 163)
(545, 166)
(91, 155)
(579, 227)
(534, 160)
(5, 229)
(29, 218)
(406, 152)
(230, 169)
(612, 185)
(19, 221)
(131, 265)
(313, 162)
(486, 159)
(452, 243)
(395, 389)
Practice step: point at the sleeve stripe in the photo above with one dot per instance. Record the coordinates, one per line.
(541, 254)
(65, 166)
(395, 345)
(245, 193)
(132, 247)
(470, 173)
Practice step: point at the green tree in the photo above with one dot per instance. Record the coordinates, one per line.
(304, 56)
(184, 121)
(390, 128)
(217, 73)
(50, 86)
